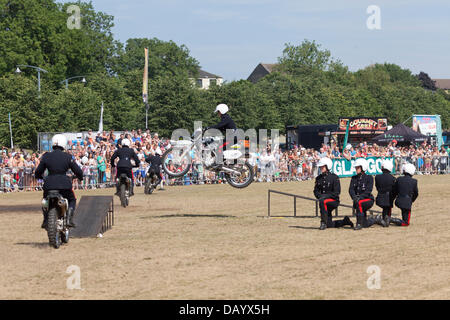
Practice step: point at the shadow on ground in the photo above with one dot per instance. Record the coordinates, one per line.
(189, 216)
(39, 245)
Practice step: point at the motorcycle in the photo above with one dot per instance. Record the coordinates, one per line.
(56, 206)
(151, 182)
(177, 160)
(124, 189)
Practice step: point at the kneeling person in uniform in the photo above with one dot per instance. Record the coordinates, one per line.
(327, 190)
(360, 191)
(58, 163)
(406, 191)
(385, 184)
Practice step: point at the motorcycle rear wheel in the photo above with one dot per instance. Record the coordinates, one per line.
(52, 229)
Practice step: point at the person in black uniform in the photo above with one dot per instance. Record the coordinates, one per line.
(58, 163)
(155, 164)
(327, 190)
(385, 184)
(406, 191)
(125, 155)
(226, 123)
(360, 191)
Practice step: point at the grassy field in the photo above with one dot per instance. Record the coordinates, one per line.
(215, 242)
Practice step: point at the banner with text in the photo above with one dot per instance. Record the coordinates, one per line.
(345, 168)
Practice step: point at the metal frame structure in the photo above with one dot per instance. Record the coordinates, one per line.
(295, 196)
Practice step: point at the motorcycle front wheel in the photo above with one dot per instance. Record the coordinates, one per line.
(176, 162)
(242, 180)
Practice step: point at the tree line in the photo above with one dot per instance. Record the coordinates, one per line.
(308, 86)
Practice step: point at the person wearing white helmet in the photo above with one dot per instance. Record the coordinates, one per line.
(327, 190)
(406, 191)
(225, 125)
(385, 183)
(360, 191)
(125, 155)
(58, 163)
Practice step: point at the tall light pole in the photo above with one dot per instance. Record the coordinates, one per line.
(39, 70)
(76, 77)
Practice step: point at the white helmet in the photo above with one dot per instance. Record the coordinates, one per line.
(409, 168)
(348, 146)
(59, 140)
(158, 151)
(387, 164)
(222, 108)
(84, 160)
(125, 142)
(361, 162)
(325, 162)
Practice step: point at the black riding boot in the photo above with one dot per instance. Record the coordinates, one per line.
(132, 189)
(70, 222)
(45, 222)
(380, 220)
(117, 189)
(397, 221)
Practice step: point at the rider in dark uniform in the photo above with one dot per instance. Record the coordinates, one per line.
(58, 163)
(125, 155)
(155, 164)
(327, 190)
(384, 184)
(226, 123)
(406, 191)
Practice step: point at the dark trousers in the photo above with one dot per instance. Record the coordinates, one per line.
(326, 208)
(128, 172)
(406, 218)
(361, 206)
(387, 211)
(68, 194)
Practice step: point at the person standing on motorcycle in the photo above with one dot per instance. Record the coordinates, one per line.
(125, 155)
(226, 123)
(58, 163)
(155, 164)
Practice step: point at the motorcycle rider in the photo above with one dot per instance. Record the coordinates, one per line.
(226, 123)
(327, 190)
(125, 155)
(406, 191)
(58, 162)
(155, 164)
(384, 184)
(360, 191)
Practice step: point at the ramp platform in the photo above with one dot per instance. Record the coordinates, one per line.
(93, 215)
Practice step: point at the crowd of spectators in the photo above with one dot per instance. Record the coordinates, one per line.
(297, 164)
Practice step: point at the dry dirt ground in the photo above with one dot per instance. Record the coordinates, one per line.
(214, 242)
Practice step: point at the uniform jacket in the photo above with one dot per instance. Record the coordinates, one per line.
(225, 123)
(361, 187)
(155, 162)
(58, 163)
(327, 186)
(385, 184)
(406, 191)
(125, 155)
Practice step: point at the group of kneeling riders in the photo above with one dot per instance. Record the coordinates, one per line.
(403, 190)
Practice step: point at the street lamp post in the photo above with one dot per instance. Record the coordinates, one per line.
(39, 70)
(66, 81)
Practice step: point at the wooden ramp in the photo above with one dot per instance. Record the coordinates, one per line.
(93, 215)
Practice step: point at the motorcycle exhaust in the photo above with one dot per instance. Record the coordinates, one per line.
(230, 170)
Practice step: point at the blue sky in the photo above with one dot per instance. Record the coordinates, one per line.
(230, 37)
